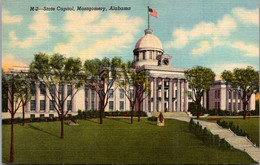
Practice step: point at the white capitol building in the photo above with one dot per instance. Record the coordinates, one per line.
(169, 88)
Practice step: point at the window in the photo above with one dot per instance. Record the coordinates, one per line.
(32, 88)
(121, 93)
(143, 55)
(60, 89)
(131, 93)
(51, 115)
(52, 89)
(41, 115)
(234, 95)
(32, 116)
(218, 105)
(234, 107)
(137, 57)
(229, 106)
(239, 106)
(229, 94)
(92, 105)
(190, 95)
(176, 94)
(111, 105)
(151, 55)
(239, 95)
(42, 104)
(121, 105)
(69, 106)
(69, 115)
(218, 94)
(86, 91)
(69, 90)
(32, 102)
(110, 93)
(131, 83)
(42, 88)
(51, 104)
(92, 94)
(99, 105)
(86, 105)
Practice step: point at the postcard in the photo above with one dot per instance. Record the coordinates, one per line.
(130, 82)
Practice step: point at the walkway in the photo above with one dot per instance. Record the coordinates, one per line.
(238, 142)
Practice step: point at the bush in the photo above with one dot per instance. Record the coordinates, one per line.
(152, 118)
(207, 137)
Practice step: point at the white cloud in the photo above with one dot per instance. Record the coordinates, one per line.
(219, 68)
(8, 19)
(92, 35)
(216, 32)
(249, 50)
(204, 46)
(40, 27)
(247, 16)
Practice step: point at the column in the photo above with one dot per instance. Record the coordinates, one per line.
(28, 106)
(236, 100)
(65, 93)
(154, 94)
(231, 101)
(181, 95)
(89, 99)
(178, 95)
(173, 93)
(56, 95)
(227, 98)
(73, 100)
(185, 96)
(10, 96)
(204, 99)
(170, 96)
(47, 99)
(147, 98)
(162, 95)
(37, 97)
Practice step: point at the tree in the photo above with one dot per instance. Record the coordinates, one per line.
(141, 86)
(139, 82)
(23, 82)
(245, 81)
(199, 79)
(102, 75)
(4, 92)
(54, 72)
(15, 90)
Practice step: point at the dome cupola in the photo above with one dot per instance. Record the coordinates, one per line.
(147, 48)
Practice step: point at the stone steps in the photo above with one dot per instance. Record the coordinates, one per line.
(238, 142)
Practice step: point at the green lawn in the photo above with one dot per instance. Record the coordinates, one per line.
(116, 141)
(250, 125)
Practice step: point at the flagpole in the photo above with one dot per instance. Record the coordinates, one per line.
(148, 18)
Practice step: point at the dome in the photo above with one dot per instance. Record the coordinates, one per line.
(148, 41)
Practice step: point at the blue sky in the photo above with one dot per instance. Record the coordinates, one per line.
(220, 34)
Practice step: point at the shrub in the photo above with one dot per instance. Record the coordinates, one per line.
(152, 118)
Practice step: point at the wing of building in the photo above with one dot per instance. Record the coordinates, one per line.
(169, 88)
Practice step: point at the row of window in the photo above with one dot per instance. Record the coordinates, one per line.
(143, 55)
(51, 103)
(111, 105)
(51, 89)
(235, 94)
